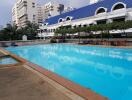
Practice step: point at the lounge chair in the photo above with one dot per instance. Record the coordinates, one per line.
(13, 44)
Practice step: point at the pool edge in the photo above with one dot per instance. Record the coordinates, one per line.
(77, 89)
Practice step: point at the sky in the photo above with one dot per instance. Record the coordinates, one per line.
(6, 6)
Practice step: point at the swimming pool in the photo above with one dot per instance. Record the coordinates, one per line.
(7, 60)
(107, 71)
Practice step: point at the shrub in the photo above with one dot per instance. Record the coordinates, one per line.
(53, 40)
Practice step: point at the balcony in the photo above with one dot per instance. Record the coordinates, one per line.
(101, 16)
(111, 15)
(117, 13)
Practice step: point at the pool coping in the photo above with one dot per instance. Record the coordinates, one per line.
(6, 54)
(107, 46)
(83, 92)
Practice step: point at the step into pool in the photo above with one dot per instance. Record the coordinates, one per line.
(107, 71)
(5, 60)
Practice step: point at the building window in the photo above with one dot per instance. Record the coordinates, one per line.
(118, 6)
(52, 7)
(80, 25)
(25, 3)
(33, 5)
(68, 18)
(53, 30)
(34, 17)
(60, 20)
(119, 20)
(100, 10)
(85, 25)
(26, 17)
(101, 22)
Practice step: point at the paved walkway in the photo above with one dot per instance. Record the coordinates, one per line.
(19, 83)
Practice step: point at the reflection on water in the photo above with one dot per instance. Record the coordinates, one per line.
(118, 73)
(108, 71)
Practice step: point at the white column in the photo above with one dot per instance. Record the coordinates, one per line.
(109, 21)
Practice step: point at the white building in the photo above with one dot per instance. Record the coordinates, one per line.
(40, 14)
(105, 11)
(51, 9)
(94, 1)
(23, 11)
(15, 14)
(67, 9)
(29, 10)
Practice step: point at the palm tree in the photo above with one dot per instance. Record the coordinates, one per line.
(11, 30)
(30, 30)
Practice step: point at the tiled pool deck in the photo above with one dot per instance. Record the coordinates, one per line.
(27, 81)
(18, 83)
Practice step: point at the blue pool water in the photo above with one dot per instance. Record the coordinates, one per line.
(107, 71)
(7, 60)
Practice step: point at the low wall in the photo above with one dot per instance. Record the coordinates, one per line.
(35, 42)
(128, 41)
(21, 43)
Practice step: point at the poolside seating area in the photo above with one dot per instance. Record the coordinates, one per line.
(106, 42)
(95, 41)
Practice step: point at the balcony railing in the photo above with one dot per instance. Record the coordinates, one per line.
(112, 14)
(117, 13)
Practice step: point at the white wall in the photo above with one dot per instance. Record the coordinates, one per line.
(32, 11)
